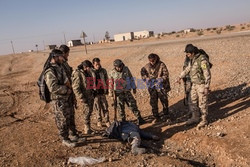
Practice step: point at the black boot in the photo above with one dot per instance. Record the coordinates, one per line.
(140, 121)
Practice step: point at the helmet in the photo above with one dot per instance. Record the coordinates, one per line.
(118, 63)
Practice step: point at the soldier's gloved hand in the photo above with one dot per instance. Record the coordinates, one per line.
(69, 91)
(206, 91)
(134, 91)
(83, 100)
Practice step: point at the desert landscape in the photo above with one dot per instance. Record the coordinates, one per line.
(29, 137)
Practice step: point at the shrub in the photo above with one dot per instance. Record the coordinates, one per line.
(200, 33)
(177, 35)
(229, 27)
(242, 28)
(192, 30)
(218, 31)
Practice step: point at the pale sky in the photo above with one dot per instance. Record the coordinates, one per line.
(31, 22)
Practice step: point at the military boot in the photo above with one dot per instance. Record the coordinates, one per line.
(203, 122)
(77, 138)
(67, 142)
(140, 121)
(87, 130)
(157, 119)
(135, 149)
(194, 119)
(165, 111)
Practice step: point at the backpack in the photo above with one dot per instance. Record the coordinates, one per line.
(44, 92)
(43, 88)
(206, 55)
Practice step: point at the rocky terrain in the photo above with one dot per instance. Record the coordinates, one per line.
(28, 135)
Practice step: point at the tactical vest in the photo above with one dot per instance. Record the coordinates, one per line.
(196, 73)
(84, 82)
(156, 72)
(122, 80)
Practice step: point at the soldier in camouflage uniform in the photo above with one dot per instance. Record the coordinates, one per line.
(101, 103)
(200, 75)
(60, 90)
(72, 100)
(155, 73)
(121, 83)
(83, 89)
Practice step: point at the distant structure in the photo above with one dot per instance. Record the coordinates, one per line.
(143, 34)
(133, 35)
(72, 43)
(124, 36)
(187, 30)
(50, 47)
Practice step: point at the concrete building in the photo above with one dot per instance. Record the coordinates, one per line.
(124, 36)
(72, 43)
(187, 30)
(143, 34)
(133, 35)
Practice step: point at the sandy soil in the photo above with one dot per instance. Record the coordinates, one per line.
(28, 135)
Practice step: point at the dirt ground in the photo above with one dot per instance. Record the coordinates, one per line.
(29, 137)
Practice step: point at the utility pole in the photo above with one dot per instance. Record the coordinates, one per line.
(12, 47)
(43, 45)
(36, 48)
(64, 38)
(94, 38)
(83, 35)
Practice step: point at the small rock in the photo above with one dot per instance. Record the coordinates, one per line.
(110, 159)
(220, 134)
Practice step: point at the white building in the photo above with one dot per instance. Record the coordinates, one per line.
(143, 34)
(72, 43)
(133, 35)
(124, 36)
(187, 31)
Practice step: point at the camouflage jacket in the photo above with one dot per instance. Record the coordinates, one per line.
(121, 81)
(81, 84)
(159, 70)
(104, 79)
(56, 79)
(68, 70)
(199, 70)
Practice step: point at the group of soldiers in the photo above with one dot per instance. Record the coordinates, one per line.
(87, 87)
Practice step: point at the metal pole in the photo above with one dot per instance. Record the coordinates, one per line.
(43, 45)
(85, 45)
(94, 38)
(12, 47)
(64, 38)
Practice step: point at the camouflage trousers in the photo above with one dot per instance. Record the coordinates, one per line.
(88, 110)
(64, 117)
(128, 98)
(156, 94)
(197, 96)
(101, 107)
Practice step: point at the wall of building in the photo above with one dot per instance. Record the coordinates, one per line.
(123, 37)
(74, 43)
